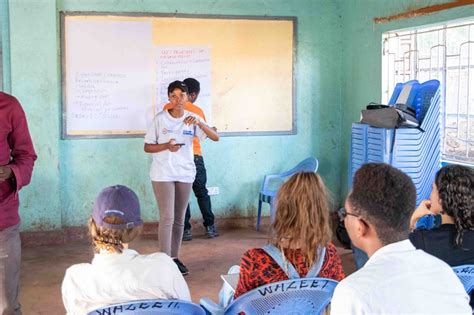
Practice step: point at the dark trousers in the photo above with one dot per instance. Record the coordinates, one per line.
(202, 196)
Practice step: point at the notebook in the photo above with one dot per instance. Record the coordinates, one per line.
(231, 279)
(404, 94)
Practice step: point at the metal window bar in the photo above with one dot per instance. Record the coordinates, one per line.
(404, 59)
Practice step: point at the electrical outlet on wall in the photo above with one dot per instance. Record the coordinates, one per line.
(213, 191)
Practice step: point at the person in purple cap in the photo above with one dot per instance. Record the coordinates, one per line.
(118, 274)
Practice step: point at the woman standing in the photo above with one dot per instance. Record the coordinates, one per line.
(172, 172)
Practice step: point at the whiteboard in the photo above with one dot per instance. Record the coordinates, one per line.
(116, 68)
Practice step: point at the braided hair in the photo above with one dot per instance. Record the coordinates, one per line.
(455, 184)
(111, 240)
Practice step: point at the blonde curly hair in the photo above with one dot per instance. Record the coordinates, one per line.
(302, 216)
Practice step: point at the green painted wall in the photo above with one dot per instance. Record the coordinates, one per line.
(69, 173)
(338, 72)
(35, 81)
(362, 53)
(4, 46)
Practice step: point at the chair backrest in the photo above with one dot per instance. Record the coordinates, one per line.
(297, 296)
(308, 165)
(148, 307)
(408, 91)
(427, 90)
(466, 275)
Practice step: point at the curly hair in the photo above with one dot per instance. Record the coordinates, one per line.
(302, 216)
(385, 197)
(111, 239)
(455, 185)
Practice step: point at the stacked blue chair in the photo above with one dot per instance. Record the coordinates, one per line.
(358, 147)
(416, 153)
(411, 97)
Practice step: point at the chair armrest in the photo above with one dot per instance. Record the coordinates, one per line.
(211, 307)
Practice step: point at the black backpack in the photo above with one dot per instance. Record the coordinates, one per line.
(387, 116)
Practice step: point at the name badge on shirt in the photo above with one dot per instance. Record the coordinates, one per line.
(188, 132)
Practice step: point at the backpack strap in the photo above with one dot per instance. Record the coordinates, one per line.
(317, 265)
(288, 267)
(406, 109)
(277, 256)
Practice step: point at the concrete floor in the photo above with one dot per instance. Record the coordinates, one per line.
(43, 267)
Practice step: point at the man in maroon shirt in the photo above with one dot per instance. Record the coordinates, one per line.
(17, 157)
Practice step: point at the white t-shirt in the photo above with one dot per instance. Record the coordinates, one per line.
(176, 166)
(118, 278)
(399, 279)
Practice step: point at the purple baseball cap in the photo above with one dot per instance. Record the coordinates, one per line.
(117, 201)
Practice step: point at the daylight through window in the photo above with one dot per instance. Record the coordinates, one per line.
(446, 53)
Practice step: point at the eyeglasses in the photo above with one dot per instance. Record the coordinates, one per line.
(342, 214)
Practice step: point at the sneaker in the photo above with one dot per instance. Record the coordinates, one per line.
(187, 235)
(182, 268)
(211, 231)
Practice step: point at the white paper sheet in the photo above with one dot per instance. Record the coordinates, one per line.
(181, 62)
(109, 75)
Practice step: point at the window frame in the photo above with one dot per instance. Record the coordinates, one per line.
(403, 64)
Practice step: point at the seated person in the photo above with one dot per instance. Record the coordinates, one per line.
(301, 236)
(397, 278)
(452, 203)
(118, 274)
(446, 234)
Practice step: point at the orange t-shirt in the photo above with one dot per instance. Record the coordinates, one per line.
(190, 107)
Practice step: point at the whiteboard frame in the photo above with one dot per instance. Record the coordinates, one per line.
(65, 14)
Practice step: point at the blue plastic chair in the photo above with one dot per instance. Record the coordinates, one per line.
(414, 84)
(297, 296)
(148, 307)
(466, 275)
(270, 189)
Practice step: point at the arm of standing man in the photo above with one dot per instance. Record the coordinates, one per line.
(22, 153)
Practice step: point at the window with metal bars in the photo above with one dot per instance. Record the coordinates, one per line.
(444, 52)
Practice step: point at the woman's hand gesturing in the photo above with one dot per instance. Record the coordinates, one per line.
(191, 120)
